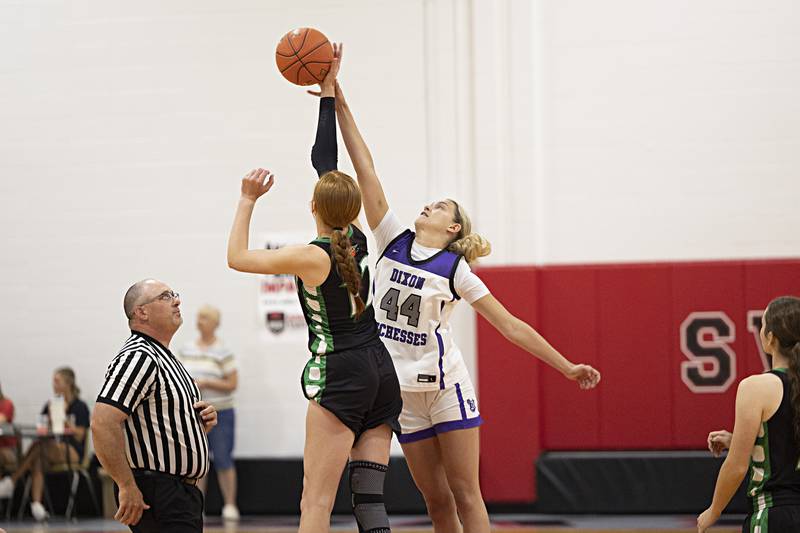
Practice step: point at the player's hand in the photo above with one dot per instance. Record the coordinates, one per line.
(131, 505)
(706, 520)
(327, 86)
(256, 183)
(586, 376)
(208, 414)
(719, 441)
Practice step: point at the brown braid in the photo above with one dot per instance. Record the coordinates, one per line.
(343, 256)
(337, 201)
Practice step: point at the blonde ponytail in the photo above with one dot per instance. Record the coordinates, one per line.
(470, 245)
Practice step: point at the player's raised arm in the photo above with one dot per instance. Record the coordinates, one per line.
(375, 204)
(324, 154)
(308, 262)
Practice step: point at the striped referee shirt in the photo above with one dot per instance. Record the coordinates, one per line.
(164, 433)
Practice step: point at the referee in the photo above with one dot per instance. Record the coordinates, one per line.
(149, 425)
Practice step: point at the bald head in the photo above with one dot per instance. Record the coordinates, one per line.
(153, 308)
(136, 294)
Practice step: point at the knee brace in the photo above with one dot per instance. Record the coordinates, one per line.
(366, 486)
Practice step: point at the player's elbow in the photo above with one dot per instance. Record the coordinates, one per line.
(739, 471)
(511, 329)
(235, 261)
(737, 466)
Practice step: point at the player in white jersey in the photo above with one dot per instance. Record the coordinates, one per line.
(421, 275)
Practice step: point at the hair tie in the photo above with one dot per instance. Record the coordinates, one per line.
(338, 229)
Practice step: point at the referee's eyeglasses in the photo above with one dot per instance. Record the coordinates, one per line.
(166, 296)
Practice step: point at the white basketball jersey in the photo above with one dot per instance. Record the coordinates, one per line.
(413, 301)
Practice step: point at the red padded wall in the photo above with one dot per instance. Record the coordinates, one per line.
(626, 321)
(511, 411)
(634, 355)
(569, 322)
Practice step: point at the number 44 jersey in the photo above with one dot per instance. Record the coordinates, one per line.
(413, 301)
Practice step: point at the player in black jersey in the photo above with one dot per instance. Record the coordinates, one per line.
(350, 381)
(766, 434)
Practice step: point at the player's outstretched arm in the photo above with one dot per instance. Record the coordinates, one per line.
(324, 153)
(311, 263)
(373, 197)
(527, 338)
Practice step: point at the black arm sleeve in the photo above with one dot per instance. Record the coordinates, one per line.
(324, 155)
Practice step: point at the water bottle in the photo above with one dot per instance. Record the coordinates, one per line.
(58, 413)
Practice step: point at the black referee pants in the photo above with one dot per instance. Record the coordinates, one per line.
(174, 505)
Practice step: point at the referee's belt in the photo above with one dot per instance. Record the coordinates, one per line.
(137, 472)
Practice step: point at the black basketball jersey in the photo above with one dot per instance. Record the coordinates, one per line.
(774, 474)
(329, 309)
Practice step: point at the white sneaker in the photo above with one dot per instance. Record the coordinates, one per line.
(6, 487)
(38, 511)
(230, 512)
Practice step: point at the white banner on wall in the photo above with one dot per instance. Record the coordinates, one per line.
(278, 306)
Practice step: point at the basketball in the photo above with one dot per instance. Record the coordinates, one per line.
(304, 56)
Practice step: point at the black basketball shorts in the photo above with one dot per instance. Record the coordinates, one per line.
(359, 386)
(781, 519)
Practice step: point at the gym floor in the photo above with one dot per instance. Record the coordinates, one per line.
(416, 524)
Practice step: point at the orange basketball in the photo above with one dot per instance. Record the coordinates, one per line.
(304, 56)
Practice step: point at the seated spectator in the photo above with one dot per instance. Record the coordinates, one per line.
(213, 367)
(8, 445)
(71, 447)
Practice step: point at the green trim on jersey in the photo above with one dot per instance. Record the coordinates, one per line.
(762, 499)
(315, 303)
(314, 375)
(759, 522)
(781, 369)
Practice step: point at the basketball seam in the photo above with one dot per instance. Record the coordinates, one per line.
(309, 71)
(305, 36)
(289, 40)
(291, 45)
(300, 59)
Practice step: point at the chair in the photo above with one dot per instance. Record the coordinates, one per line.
(77, 471)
